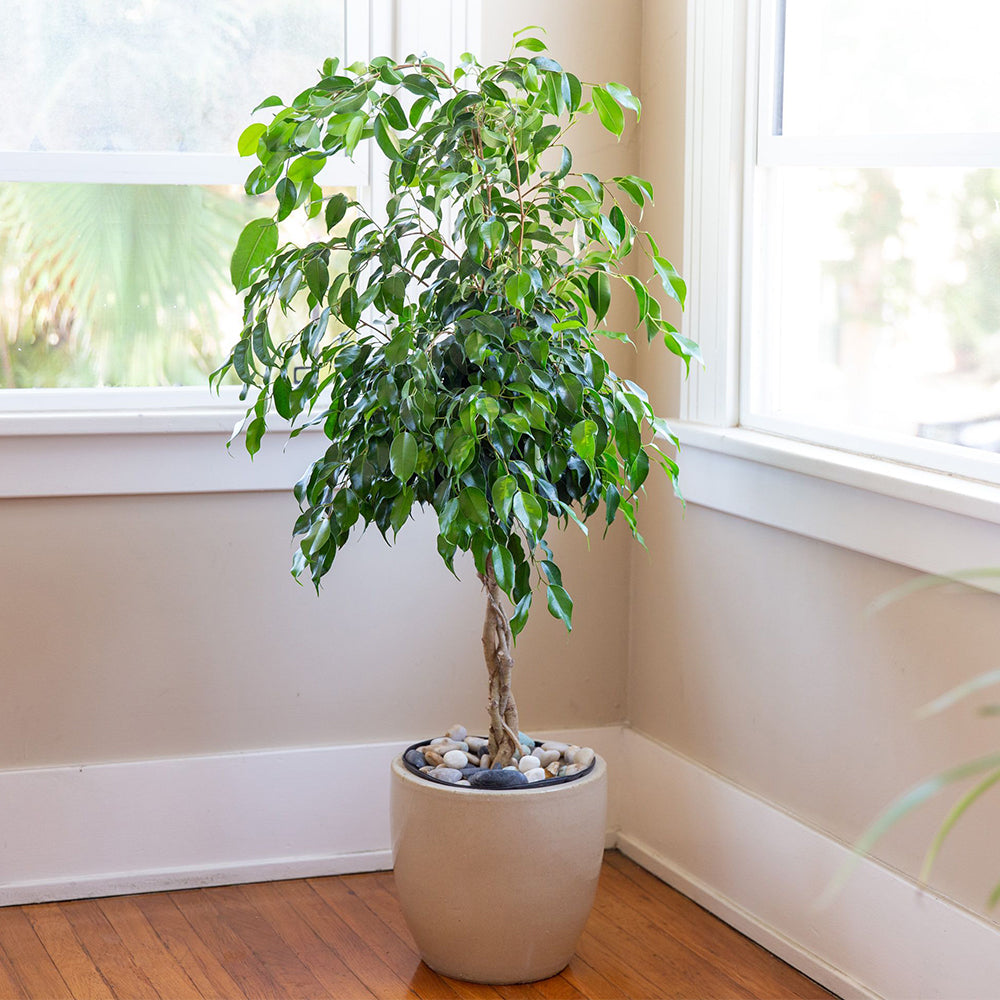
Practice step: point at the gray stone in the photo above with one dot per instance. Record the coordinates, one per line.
(457, 733)
(470, 771)
(416, 758)
(555, 745)
(497, 779)
(447, 774)
(477, 743)
(546, 757)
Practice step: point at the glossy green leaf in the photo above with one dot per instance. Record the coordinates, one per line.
(246, 145)
(608, 110)
(599, 294)
(625, 97)
(560, 605)
(403, 456)
(257, 242)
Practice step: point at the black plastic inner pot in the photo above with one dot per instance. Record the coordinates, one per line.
(544, 783)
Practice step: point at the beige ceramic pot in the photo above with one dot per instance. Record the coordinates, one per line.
(496, 885)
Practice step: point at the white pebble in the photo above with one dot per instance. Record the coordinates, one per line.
(477, 743)
(546, 757)
(529, 762)
(439, 740)
(571, 769)
(457, 733)
(464, 781)
(510, 767)
(456, 759)
(553, 745)
(583, 757)
(535, 774)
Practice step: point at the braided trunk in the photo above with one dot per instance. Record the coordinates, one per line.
(497, 644)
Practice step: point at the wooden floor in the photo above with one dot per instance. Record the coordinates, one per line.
(344, 937)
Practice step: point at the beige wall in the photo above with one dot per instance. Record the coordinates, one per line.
(751, 650)
(136, 627)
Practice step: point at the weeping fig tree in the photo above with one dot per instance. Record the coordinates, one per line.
(450, 339)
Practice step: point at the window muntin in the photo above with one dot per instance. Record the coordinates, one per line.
(871, 321)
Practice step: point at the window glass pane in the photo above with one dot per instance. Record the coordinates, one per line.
(123, 285)
(153, 75)
(859, 67)
(880, 309)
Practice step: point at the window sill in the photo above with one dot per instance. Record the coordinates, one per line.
(929, 521)
(132, 454)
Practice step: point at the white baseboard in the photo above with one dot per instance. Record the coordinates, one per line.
(762, 871)
(144, 826)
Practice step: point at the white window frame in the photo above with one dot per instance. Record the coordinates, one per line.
(894, 509)
(171, 440)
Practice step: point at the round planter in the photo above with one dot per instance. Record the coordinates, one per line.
(496, 886)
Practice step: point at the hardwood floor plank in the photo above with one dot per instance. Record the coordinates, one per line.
(381, 899)
(270, 899)
(290, 975)
(202, 965)
(356, 953)
(591, 983)
(743, 960)
(105, 947)
(27, 959)
(253, 979)
(347, 896)
(559, 988)
(148, 951)
(10, 985)
(75, 965)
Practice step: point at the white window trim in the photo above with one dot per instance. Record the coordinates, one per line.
(128, 441)
(931, 521)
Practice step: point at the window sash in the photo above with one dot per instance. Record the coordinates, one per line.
(762, 149)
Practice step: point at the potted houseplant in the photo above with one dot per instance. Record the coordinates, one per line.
(449, 346)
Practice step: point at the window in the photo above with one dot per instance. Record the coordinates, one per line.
(843, 251)
(120, 201)
(874, 240)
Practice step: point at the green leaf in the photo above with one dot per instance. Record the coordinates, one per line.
(517, 289)
(394, 113)
(256, 244)
(461, 453)
(546, 65)
(531, 44)
(317, 277)
(599, 294)
(246, 145)
(387, 140)
(673, 283)
(403, 456)
(560, 605)
(269, 102)
(627, 436)
(503, 495)
(520, 616)
(528, 511)
(625, 97)
(472, 502)
(401, 507)
(255, 431)
(336, 209)
(503, 567)
(584, 436)
(608, 110)
(565, 164)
